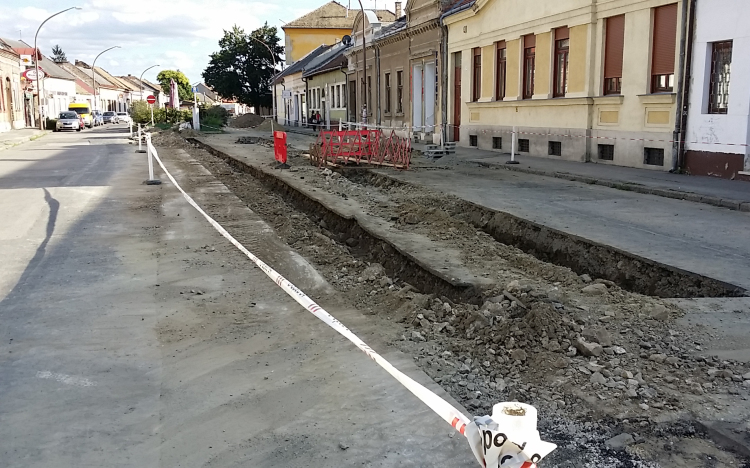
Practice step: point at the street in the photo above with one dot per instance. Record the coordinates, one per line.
(132, 334)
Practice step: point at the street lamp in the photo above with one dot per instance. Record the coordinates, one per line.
(36, 66)
(140, 80)
(93, 71)
(273, 57)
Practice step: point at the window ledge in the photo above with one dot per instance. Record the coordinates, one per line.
(609, 99)
(399, 114)
(657, 98)
(573, 101)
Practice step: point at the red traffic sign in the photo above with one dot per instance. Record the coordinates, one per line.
(151, 99)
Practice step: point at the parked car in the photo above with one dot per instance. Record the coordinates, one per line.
(69, 120)
(98, 118)
(84, 110)
(124, 117)
(110, 117)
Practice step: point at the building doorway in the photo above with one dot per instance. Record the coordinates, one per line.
(456, 96)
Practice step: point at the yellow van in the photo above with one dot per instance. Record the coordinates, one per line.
(84, 110)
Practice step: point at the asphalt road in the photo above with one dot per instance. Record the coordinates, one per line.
(133, 335)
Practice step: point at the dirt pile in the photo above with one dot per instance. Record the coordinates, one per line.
(265, 126)
(597, 361)
(172, 139)
(246, 121)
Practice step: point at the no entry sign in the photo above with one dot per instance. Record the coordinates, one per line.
(151, 99)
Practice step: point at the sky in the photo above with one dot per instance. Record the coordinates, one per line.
(175, 35)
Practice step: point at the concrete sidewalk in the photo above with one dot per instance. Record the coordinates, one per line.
(698, 238)
(12, 138)
(732, 194)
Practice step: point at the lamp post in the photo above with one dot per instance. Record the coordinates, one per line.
(140, 80)
(93, 71)
(273, 57)
(36, 66)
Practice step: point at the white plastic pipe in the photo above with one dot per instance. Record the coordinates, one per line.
(513, 145)
(140, 143)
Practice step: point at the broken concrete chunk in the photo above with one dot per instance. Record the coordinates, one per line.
(518, 355)
(659, 312)
(597, 289)
(589, 349)
(585, 278)
(659, 357)
(619, 442)
(598, 378)
(416, 336)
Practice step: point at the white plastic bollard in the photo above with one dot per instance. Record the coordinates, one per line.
(512, 148)
(140, 140)
(151, 179)
(150, 157)
(130, 128)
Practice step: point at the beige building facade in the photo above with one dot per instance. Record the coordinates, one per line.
(11, 97)
(582, 80)
(402, 88)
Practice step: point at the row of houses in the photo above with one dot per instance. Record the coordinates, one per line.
(63, 83)
(638, 83)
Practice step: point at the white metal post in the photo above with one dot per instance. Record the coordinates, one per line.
(512, 147)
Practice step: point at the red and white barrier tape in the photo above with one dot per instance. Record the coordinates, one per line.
(526, 447)
(439, 127)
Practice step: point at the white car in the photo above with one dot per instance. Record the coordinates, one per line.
(123, 117)
(68, 120)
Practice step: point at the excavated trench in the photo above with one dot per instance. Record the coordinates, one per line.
(629, 271)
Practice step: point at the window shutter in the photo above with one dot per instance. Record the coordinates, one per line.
(562, 33)
(665, 33)
(613, 46)
(529, 41)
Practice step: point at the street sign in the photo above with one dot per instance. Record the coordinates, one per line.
(194, 89)
(151, 99)
(30, 74)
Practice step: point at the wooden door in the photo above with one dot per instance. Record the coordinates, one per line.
(457, 96)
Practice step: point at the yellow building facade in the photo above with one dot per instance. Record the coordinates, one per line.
(582, 80)
(301, 41)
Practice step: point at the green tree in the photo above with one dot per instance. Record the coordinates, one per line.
(183, 84)
(243, 67)
(58, 56)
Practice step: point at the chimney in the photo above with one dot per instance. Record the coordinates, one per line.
(398, 10)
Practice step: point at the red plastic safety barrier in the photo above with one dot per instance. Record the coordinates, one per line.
(279, 146)
(362, 146)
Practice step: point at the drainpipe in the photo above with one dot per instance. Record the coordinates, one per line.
(346, 93)
(446, 65)
(680, 89)
(364, 57)
(286, 113)
(307, 93)
(444, 81)
(377, 82)
(686, 86)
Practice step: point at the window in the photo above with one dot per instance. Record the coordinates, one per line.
(476, 84)
(613, 47)
(562, 48)
(529, 53)
(399, 92)
(663, 54)
(721, 62)
(497, 143)
(653, 156)
(343, 96)
(500, 67)
(555, 148)
(607, 152)
(473, 140)
(388, 93)
(523, 145)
